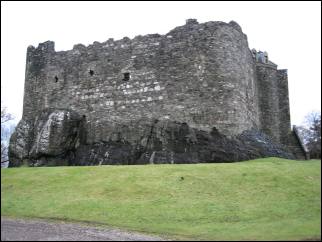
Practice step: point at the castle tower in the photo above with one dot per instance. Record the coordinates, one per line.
(284, 106)
(36, 86)
(273, 98)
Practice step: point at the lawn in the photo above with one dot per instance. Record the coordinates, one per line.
(263, 199)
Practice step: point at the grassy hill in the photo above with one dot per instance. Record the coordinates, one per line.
(264, 199)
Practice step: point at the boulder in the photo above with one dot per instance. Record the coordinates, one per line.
(50, 140)
(20, 142)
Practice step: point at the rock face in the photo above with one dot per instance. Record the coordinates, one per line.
(177, 143)
(57, 137)
(48, 140)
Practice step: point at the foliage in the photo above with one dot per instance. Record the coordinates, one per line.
(264, 199)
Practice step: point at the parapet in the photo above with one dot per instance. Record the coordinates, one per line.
(260, 56)
(235, 25)
(47, 46)
(191, 21)
(261, 59)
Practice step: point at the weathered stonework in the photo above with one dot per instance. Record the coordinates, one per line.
(200, 75)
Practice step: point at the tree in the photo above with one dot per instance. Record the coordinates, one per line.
(5, 117)
(313, 134)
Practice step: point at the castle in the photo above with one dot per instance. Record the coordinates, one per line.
(201, 75)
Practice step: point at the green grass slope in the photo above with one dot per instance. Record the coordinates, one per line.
(264, 199)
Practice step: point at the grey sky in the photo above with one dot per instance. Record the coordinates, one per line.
(289, 31)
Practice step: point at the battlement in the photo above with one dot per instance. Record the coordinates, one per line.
(49, 46)
(191, 21)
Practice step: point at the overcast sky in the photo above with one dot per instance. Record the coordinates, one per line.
(289, 31)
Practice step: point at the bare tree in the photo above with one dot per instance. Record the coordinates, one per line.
(5, 117)
(313, 134)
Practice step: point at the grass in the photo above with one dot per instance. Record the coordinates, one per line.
(264, 199)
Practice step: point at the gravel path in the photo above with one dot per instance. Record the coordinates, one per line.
(38, 230)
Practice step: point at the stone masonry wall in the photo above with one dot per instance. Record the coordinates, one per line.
(268, 96)
(274, 102)
(284, 106)
(199, 74)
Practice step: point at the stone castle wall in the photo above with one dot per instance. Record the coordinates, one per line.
(201, 74)
(273, 102)
(195, 94)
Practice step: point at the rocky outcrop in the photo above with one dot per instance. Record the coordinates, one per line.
(176, 143)
(49, 139)
(55, 138)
